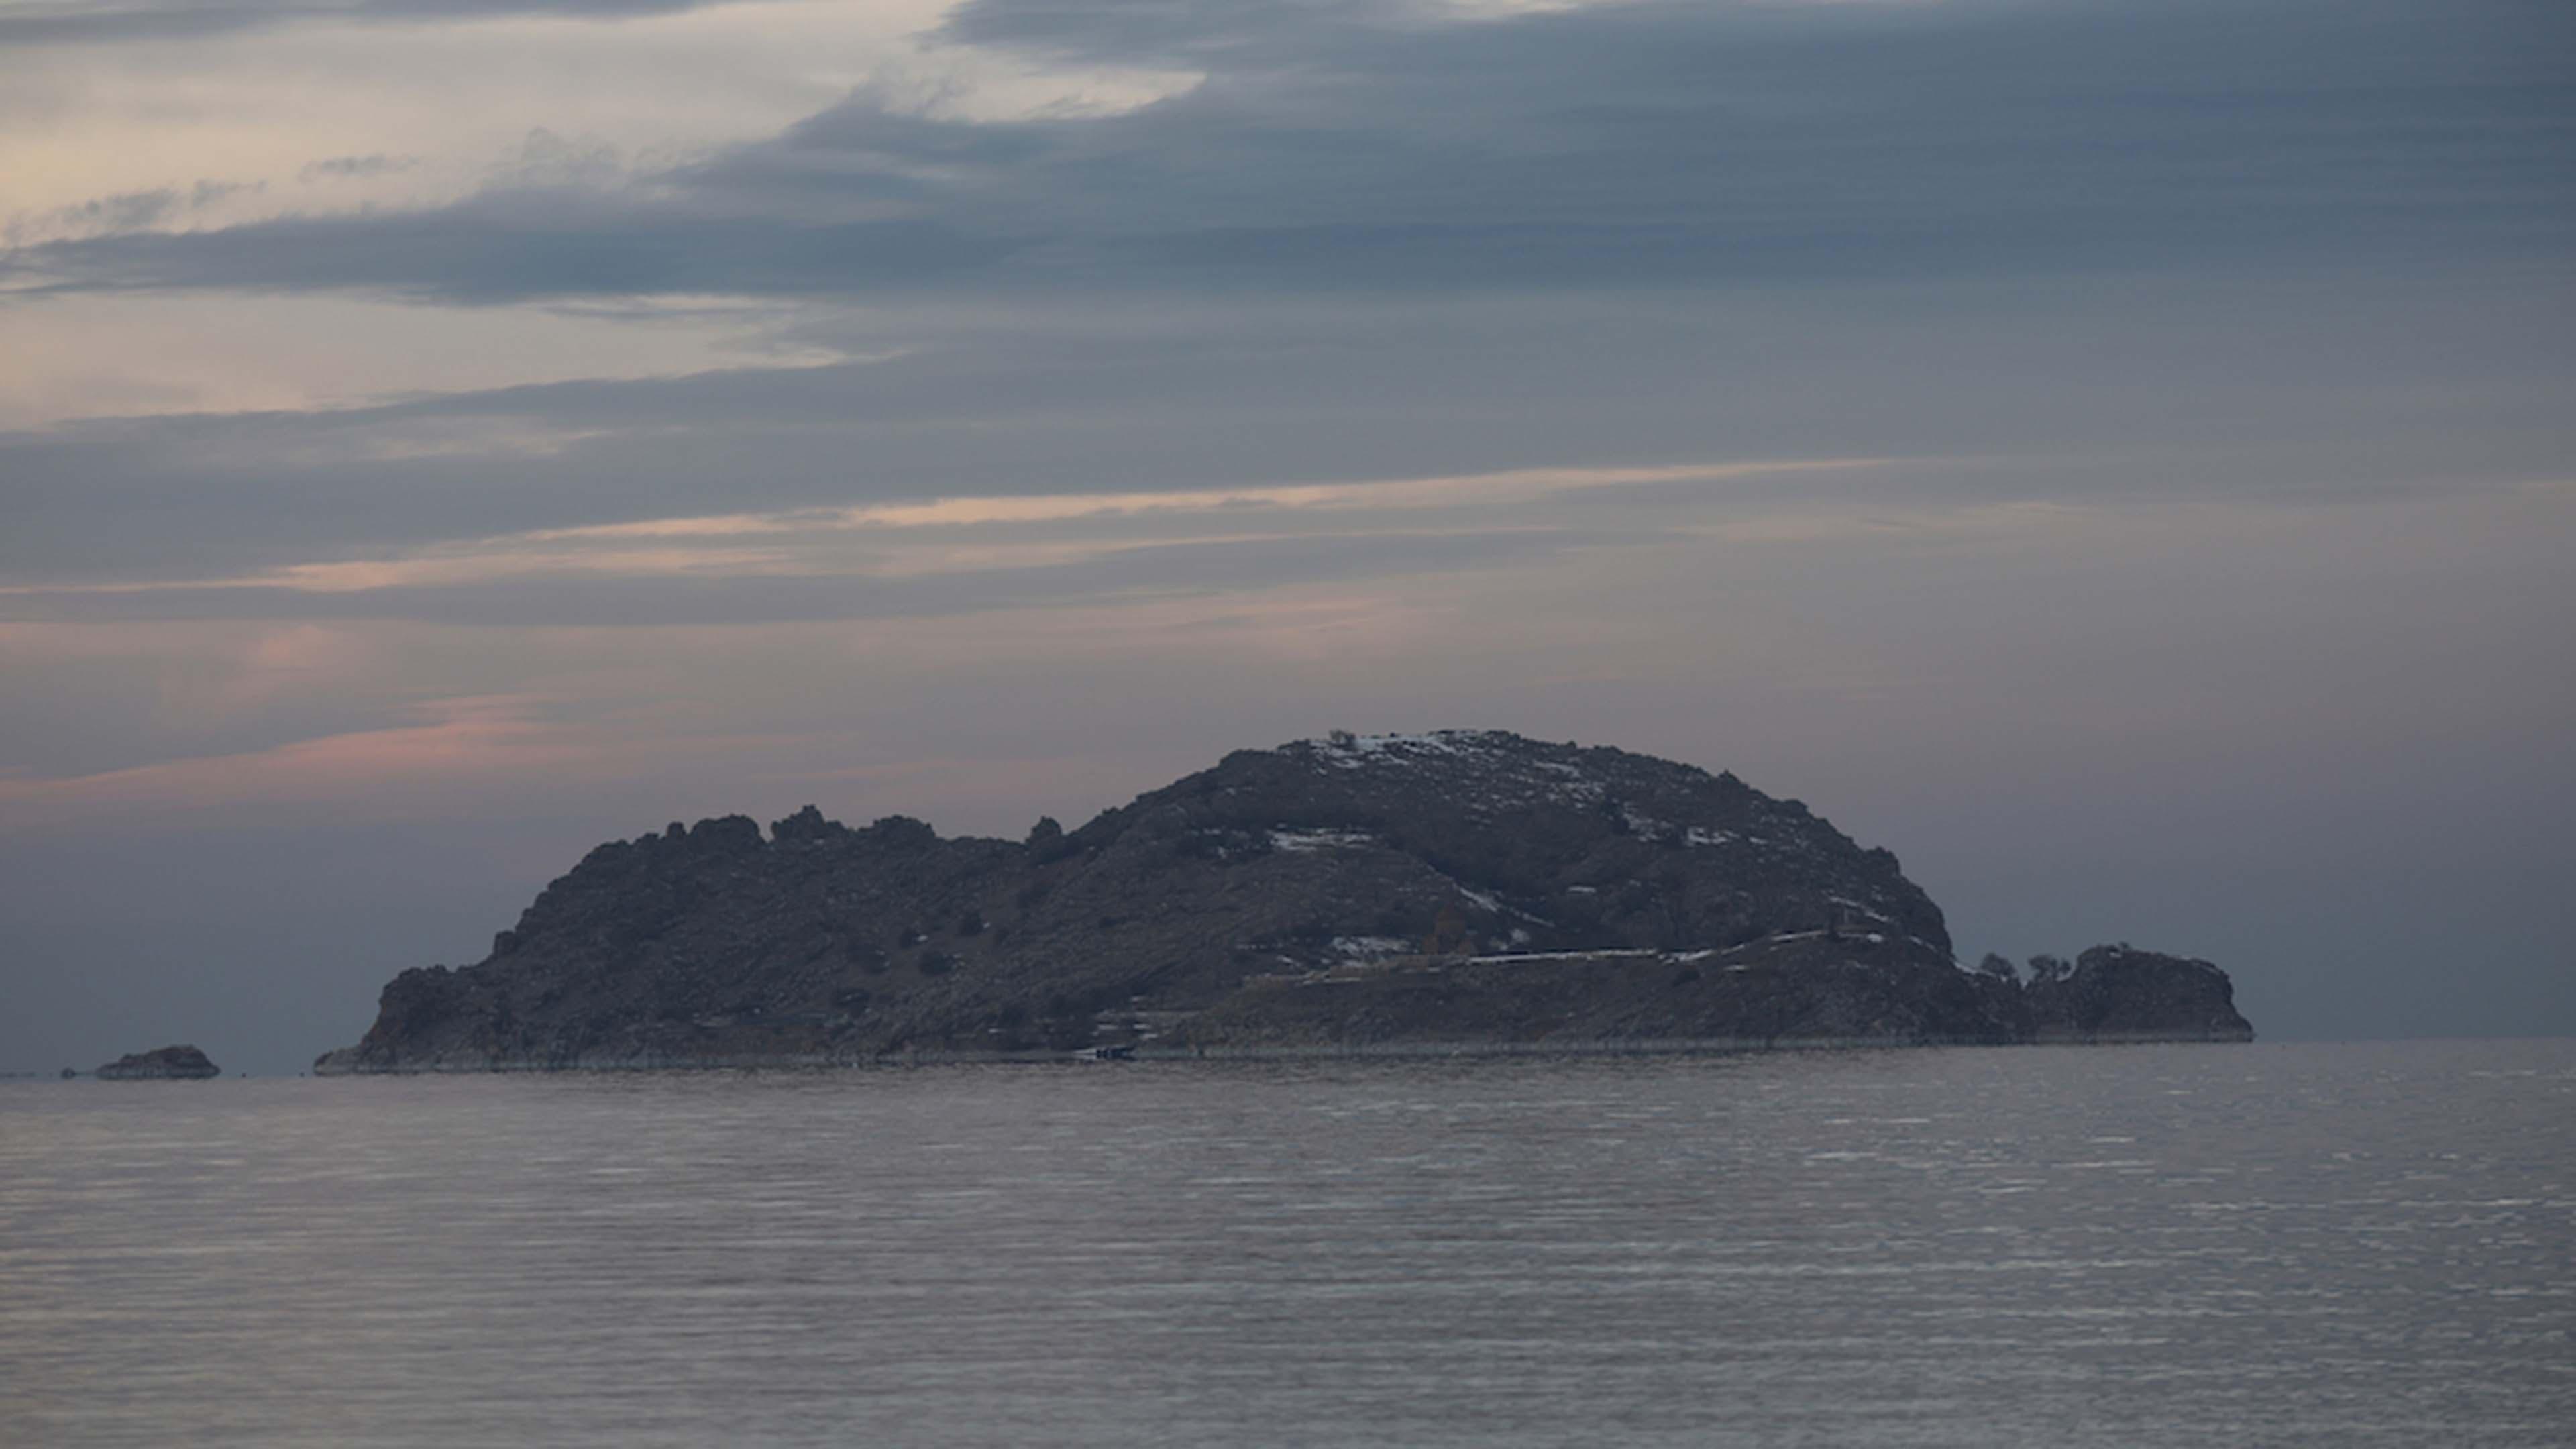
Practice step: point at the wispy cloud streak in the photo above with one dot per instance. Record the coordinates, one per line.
(946, 535)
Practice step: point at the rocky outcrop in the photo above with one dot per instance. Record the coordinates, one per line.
(169, 1063)
(1469, 888)
(2119, 993)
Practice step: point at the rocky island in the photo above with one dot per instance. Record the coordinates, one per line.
(1459, 890)
(169, 1063)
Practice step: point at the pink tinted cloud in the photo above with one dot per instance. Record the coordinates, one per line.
(480, 740)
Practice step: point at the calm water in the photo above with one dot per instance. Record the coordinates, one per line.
(2346, 1245)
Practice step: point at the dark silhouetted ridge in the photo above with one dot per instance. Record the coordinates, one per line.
(1461, 889)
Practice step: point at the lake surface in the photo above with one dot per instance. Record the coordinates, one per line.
(2335, 1245)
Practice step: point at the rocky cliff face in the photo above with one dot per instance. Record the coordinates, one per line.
(2119, 993)
(167, 1063)
(1468, 887)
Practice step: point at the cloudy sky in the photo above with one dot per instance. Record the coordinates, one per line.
(2120, 456)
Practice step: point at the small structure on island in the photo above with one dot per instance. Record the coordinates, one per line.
(169, 1063)
(1449, 936)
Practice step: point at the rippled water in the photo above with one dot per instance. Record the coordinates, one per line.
(2347, 1245)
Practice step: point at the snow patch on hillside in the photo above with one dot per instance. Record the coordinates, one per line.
(1370, 948)
(1353, 752)
(1303, 841)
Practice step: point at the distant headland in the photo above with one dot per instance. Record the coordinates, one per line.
(1455, 891)
(169, 1063)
